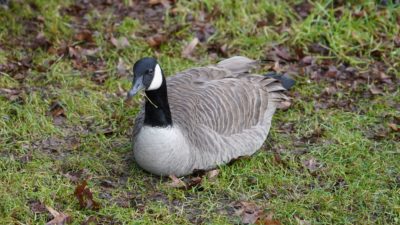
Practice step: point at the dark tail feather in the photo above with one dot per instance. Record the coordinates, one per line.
(286, 81)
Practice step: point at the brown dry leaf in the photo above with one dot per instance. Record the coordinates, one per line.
(279, 54)
(121, 92)
(396, 41)
(250, 213)
(165, 3)
(384, 77)
(303, 9)
(278, 158)
(302, 221)
(375, 90)
(91, 51)
(85, 197)
(283, 54)
(75, 52)
(307, 60)
(59, 217)
(193, 182)
(312, 164)
(120, 43)
(37, 207)
(330, 90)
(56, 110)
(212, 174)
(10, 94)
(319, 49)
(188, 50)
(332, 72)
(176, 182)
(99, 76)
(267, 220)
(90, 220)
(75, 176)
(156, 40)
(121, 68)
(218, 49)
(40, 41)
(84, 35)
(394, 127)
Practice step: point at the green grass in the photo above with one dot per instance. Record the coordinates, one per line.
(359, 178)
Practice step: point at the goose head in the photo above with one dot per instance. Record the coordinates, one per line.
(147, 75)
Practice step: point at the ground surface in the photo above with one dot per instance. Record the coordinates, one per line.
(332, 157)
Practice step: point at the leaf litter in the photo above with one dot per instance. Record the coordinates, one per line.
(59, 218)
(85, 197)
(250, 213)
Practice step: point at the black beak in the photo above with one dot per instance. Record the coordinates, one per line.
(137, 86)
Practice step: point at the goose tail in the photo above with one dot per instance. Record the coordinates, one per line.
(286, 81)
(276, 86)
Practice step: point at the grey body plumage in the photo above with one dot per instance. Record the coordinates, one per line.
(219, 113)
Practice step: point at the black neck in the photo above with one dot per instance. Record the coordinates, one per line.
(157, 112)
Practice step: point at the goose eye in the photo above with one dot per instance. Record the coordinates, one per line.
(150, 71)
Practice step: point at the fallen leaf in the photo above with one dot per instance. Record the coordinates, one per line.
(85, 197)
(394, 127)
(212, 174)
(396, 41)
(219, 49)
(283, 53)
(278, 159)
(318, 48)
(26, 157)
(333, 72)
(279, 54)
(303, 8)
(176, 182)
(312, 165)
(193, 182)
(10, 94)
(375, 90)
(358, 13)
(307, 60)
(37, 207)
(330, 90)
(203, 30)
(250, 213)
(90, 220)
(84, 35)
(121, 68)
(165, 3)
(76, 176)
(59, 217)
(75, 52)
(56, 109)
(100, 76)
(301, 221)
(267, 220)
(156, 40)
(107, 184)
(188, 50)
(40, 41)
(120, 43)
(90, 51)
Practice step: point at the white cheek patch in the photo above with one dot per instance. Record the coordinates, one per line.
(157, 79)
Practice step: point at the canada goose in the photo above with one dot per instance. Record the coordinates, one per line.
(204, 116)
